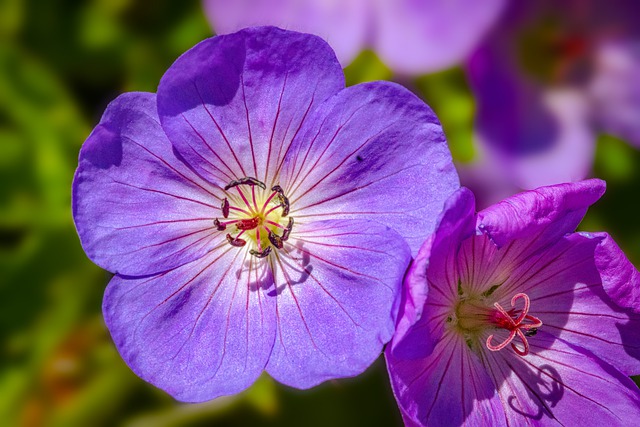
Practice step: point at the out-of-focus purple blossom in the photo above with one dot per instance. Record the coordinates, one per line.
(548, 78)
(410, 36)
(509, 317)
(257, 215)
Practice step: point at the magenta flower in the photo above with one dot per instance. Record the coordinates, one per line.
(548, 78)
(258, 215)
(511, 318)
(410, 36)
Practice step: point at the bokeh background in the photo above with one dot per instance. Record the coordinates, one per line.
(61, 62)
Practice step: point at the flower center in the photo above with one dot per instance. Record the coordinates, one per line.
(474, 316)
(253, 214)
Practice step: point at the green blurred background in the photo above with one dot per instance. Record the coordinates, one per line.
(61, 62)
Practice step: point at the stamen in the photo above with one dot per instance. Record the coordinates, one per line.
(275, 239)
(284, 200)
(504, 319)
(236, 241)
(247, 180)
(219, 225)
(262, 254)
(248, 224)
(287, 232)
(225, 208)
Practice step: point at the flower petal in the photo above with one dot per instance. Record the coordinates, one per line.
(337, 291)
(200, 331)
(448, 388)
(620, 278)
(138, 209)
(374, 151)
(343, 24)
(568, 297)
(426, 36)
(232, 104)
(543, 215)
(559, 384)
(415, 336)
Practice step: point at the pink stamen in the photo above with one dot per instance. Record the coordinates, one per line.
(505, 320)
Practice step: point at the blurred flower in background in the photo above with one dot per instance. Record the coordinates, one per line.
(410, 36)
(550, 77)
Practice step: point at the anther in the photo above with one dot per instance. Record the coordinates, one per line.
(287, 231)
(225, 208)
(284, 200)
(236, 242)
(247, 180)
(261, 254)
(219, 226)
(275, 240)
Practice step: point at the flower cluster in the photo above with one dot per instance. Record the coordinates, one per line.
(259, 216)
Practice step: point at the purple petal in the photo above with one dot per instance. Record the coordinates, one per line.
(232, 104)
(620, 278)
(198, 332)
(544, 214)
(567, 296)
(343, 24)
(558, 384)
(138, 209)
(337, 291)
(425, 36)
(448, 388)
(416, 336)
(373, 151)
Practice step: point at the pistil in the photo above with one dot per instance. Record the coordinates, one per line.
(515, 325)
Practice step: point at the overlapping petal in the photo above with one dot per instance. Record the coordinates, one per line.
(544, 214)
(138, 209)
(449, 388)
(416, 336)
(559, 384)
(200, 331)
(373, 151)
(232, 104)
(337, 293)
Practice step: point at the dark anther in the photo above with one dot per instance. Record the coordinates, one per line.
(219, 226)
(236, 242)
(287, 231)
(531, 332)
(275, 240)
(282, 199)
(262, 254)
(225, 208)
(247, 180)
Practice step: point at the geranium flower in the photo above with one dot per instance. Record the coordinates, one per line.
(256, 214)
(551, 76)
(511, 318)
(410, 36)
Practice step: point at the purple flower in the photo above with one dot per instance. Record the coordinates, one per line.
(551, 76)
(511, 318)
(256, 214)
(410, 36)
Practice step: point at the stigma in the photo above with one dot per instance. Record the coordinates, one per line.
(255, 216)
(520, 324)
